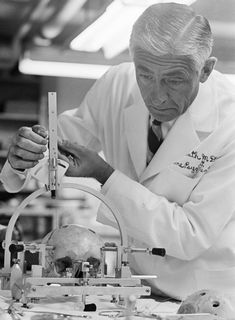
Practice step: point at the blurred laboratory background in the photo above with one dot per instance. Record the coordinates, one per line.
(64, 46)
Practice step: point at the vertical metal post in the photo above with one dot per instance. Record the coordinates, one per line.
(53, 148)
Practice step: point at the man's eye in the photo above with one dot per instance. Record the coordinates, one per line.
(146, 76)
(174, 82)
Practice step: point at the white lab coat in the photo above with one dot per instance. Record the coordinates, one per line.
(184, 200)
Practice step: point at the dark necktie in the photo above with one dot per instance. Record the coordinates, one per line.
(154, 136)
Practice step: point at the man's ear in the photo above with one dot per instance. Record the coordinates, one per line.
(207, 68)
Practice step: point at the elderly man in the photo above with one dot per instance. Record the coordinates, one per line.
(166, 126)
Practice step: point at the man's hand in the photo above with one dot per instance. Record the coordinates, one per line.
(84, 162)
(27, 147)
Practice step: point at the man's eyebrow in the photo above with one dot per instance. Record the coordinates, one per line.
(176, 73)
(143, 68)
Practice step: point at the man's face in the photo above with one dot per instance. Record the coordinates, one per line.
(168, 83)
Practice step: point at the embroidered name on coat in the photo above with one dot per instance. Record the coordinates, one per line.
(198, 163)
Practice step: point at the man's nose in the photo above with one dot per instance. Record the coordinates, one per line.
(159, 94)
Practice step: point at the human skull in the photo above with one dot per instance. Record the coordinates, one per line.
(72, 244)
(208, 301)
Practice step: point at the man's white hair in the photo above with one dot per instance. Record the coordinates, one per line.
(172, 28)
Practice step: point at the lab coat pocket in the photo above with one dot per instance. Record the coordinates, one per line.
(222, 280)
(173, 185)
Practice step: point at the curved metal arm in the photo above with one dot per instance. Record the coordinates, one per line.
(37, 193)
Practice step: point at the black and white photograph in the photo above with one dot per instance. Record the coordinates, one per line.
(117, 159)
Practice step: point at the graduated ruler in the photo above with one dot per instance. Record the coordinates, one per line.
(53, 146)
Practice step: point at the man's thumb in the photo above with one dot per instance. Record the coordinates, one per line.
(40, 130)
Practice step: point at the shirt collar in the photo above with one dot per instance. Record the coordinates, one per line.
(165, 126)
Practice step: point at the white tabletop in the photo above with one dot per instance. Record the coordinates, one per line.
(45, 308)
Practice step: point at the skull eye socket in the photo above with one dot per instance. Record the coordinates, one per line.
(215, 304)
(94, 262)
(62, 264)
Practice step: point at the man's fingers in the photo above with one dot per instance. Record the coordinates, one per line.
(29, 134)
(37, 128)
(63, 149)
(29, 145)
(18, 163)
(68, 158)
(69, 148)
(63, 157)
(27, 155)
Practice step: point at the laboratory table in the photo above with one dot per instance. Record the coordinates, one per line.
(67, 308)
